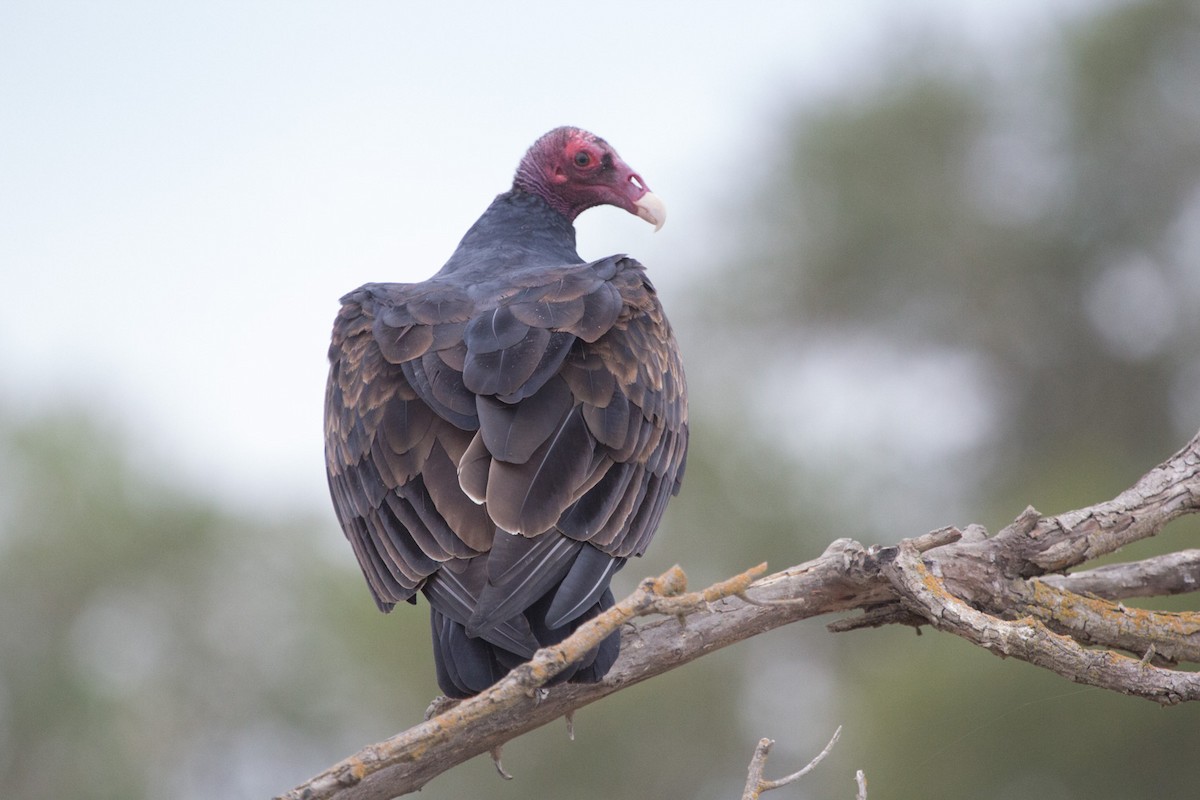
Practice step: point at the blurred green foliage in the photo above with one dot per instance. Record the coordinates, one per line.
(966, 286)
(998, 265)
(1041, 217)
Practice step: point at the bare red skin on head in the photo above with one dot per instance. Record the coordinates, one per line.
(574, 170)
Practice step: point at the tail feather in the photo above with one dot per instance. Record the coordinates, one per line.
(467, 665)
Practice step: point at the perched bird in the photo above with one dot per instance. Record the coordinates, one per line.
(504, 435)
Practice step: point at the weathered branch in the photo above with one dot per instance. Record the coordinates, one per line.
(963, 582)
(756, 784)
(1029, 640)
(1173, 636)
(1053, 544)
(1173, 573)
(513, 706)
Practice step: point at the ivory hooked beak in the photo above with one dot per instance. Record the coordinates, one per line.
(651, 209)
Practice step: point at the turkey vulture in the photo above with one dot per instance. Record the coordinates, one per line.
(504, 435)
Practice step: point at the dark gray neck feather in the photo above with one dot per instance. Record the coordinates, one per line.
(519, 229)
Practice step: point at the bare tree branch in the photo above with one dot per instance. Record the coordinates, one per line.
(985, 589)
(1029, 640)
(1174, 636)
(513, 706)
(756, 784)
(1173, 573)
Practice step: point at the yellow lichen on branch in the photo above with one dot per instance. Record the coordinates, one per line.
(1172, 635)
(1028, 639)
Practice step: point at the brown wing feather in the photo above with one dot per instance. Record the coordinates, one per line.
(559, 402)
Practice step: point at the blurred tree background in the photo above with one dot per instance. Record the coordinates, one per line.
(993, 269)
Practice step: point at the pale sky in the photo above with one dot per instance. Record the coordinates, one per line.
(186, 189)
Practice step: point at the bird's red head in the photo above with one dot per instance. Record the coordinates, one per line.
(574, 170)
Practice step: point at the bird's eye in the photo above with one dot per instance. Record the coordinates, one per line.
(582, 159)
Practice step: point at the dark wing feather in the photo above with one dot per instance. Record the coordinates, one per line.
(588, 515)
(460, 516)
(387, 452)
(609, 422)
(520, 571)
(549, 363)
(414, 375)
(633, 396)
(528, 498)
(582, 586)
(457, 596)
(512, 431)
(549, 404)
(502, 371)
